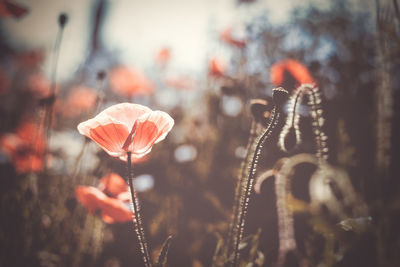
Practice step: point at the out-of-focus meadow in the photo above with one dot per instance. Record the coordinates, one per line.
(323, 187)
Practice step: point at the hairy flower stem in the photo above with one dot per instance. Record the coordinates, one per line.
(285, 218)
(244, 200)
(292, 120)
(137, 219)
(318, 121)
(231, 241)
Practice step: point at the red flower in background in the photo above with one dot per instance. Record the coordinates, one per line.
(128, 82)
(30, 59)
(25, 147)
(39, 85)
(112, 184)
(126, 128)
(228, 37)
(180, 82)
(284, 71)
(110, 209)
(217, 67)
(81, 99)
(9, 9)
(163, 56)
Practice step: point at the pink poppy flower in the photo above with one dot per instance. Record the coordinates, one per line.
(30, 59)
(180, 82)
(163, 56)
(9, 9)
(126, 128)
(81, 99)
(39, 85)
(110, 209)
(129, 81)
(25, 147)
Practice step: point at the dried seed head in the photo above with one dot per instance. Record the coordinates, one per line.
(279, 95)
(62, 19)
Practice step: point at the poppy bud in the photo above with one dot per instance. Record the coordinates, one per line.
(279, 95)
(62, 19)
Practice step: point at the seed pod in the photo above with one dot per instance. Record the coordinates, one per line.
(279, 96)
(62, 19)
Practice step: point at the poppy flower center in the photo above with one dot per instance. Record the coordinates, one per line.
(130, 137)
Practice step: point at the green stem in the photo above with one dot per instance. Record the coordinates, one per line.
(137, 219)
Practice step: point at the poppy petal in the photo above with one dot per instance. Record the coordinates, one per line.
(90, 197)
(114, 210)
(151, 128)
(113, 184)
(107, 133)
(125, 113)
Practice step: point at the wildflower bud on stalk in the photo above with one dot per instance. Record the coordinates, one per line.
(279, 95)
(62, 20)
(280, 98)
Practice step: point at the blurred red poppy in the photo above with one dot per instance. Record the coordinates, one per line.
(39, 85)
(217, 67)
(111, 210)
(30, 59)
(129, 81)
(9, 9)
(228, 37)
(81, 99)
(25, 147)
(297, 70)
(112, 184)
(163, 56)
(180, 82)
(126, 128)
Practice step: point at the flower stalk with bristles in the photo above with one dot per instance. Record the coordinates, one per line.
(137, 219)
(279, 97)
(259, 111)
(290, 136)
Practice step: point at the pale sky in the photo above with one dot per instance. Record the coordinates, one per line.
(136, 29)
